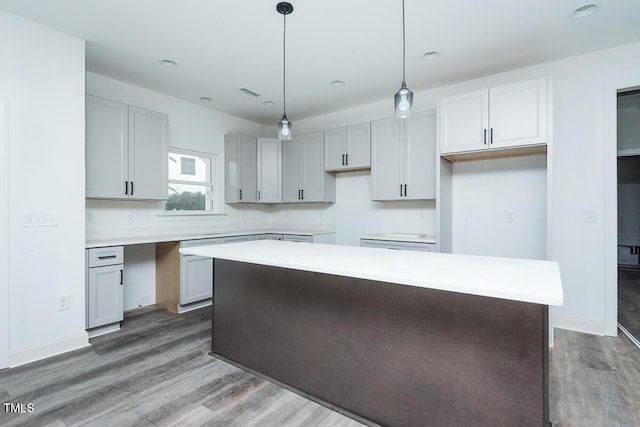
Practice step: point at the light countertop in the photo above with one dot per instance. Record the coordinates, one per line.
(531, 281)
(157, 235)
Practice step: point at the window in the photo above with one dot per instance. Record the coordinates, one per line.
(192, 182)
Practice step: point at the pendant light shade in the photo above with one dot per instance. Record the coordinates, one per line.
(403, 101)
(284, 128)
(284, 125)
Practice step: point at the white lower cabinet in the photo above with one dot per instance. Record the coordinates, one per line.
(196, 277)
(196, 272)
(105, 274)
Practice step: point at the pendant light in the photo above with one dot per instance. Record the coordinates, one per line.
(284, 125)
(404, 97)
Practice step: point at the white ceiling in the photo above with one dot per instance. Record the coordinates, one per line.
(222, 46)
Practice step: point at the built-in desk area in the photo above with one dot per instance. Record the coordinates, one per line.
(392, 337)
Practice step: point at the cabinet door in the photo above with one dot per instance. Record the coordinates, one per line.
(518, 114)
(464, 122)
(387, 159)
(291, 170)
(335, 149)
(420, 155)
(312, 171)
(106, 155)
(148, 145)
(196, 278)
(358, 146)
(105, 296)
(247, 172)
(269, 170)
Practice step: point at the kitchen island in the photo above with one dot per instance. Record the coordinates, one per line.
(392, 337)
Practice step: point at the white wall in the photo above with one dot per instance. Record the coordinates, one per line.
(42, 79)
(483, 192)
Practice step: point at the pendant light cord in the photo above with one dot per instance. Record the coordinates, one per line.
(284, 65)
(403, 47)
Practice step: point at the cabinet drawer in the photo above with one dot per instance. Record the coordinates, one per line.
(99, 257)
(297, 238)
(397, 245)
(199, 242)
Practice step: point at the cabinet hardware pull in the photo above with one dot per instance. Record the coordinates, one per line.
(485, 137)
(298, 194)
(400, 190)
(240, 194)
(126, 188)
(346, 156)
(491, 140)
(132, 188)
(101, 257)
(121, 276)
(258, 194)
(302, 192)
(405, 190)
(343, 160)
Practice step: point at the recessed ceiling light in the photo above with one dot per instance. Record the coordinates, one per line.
(337, 83)
(269, 103)
(168, 63)
(584, 11)
(205, 99)
(430, 56)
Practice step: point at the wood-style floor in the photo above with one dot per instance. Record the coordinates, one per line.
(156, 371)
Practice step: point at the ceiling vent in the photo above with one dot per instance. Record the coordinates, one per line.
(249, 92)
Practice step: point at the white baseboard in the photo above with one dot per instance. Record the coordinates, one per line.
(53, 348)
(578, 325)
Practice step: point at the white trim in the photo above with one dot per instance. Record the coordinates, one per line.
(611, 88)
(52, 348)
(4, 236)
(579, 325)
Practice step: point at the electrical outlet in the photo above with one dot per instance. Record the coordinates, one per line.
(590, 216)
(146, 299)
(89, 216)
(62, 303)
(509, 216)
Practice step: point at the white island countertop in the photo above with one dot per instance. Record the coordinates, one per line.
(514, 279)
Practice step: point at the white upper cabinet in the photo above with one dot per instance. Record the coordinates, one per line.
(126, 151)
(403, 155)
(269, 170)
(503, 117)
(240, 153)
(303, 176)
(148, 136)
(348, 148)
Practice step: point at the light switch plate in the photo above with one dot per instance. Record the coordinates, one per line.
(41, 219)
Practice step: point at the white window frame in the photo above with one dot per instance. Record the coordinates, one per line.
(216, 165)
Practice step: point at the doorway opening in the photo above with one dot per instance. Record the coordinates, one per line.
(628, 204)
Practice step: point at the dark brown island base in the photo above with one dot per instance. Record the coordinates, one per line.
(382, 352)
